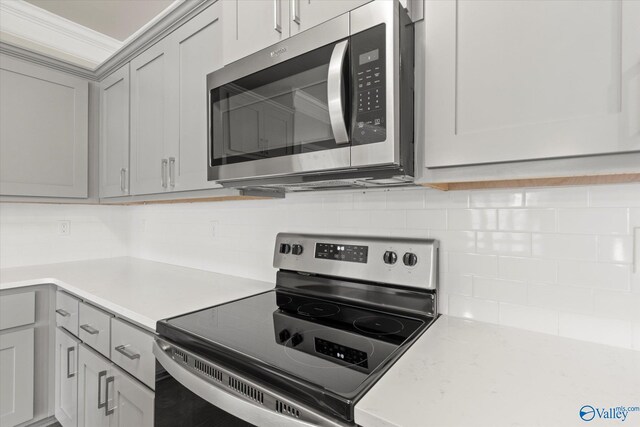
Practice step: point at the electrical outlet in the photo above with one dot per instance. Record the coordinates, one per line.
(214, 228)
(64, 228)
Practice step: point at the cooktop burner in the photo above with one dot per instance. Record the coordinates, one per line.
(378, 325)
(318, 309)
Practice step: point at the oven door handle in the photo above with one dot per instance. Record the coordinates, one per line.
(254, 414)
(335, 99)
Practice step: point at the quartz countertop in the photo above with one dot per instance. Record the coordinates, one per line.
(458, 373)
(467, 373)
(141, 291)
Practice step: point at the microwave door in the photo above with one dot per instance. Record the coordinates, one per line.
(287, 119)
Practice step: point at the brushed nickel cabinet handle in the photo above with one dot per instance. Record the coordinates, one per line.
(295, 11)
(163, 172)
(123, 180)
(69, 373)
(277, 18)
(63, 313)
(89, 329)
(122, 349)
(172, 172)
(108, 411)
(101, 375)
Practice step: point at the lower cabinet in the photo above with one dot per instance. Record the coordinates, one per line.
(16, 377)
(108, 397)
(66, 391)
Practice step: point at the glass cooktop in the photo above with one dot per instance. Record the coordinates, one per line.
(329, 344)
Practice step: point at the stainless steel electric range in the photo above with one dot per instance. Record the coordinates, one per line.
(343, 310)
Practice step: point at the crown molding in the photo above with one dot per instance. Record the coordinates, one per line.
(172, 17)
(26, 21)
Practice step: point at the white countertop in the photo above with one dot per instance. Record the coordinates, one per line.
(139, 290)
(466, 373)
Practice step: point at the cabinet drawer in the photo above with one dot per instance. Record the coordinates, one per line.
(131, 349)
(17, 310)
(95, 328)
(67, 312)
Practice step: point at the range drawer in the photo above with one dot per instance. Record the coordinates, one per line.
(95, 328)
(17, 310)
(131, 349)
(67, 312)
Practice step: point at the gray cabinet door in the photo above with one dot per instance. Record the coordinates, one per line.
(309, 13)
(66, 379)
(509, 81)
(132, 402)
(153, 117)
(43, 131)
(114, 134)
(251, 25)
(198, 52)
(16, 377)
(93, 372)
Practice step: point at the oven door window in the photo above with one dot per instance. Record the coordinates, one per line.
(279, 111)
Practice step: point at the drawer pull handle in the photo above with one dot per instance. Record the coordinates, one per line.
(122, 349)
(108, 411)
(69, 373)
(101, 375)
(89, 329)
(63, 313)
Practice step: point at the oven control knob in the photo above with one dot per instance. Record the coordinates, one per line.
(296, 249)
(390, 257)
(284, 335)
(410, 259)
(285, 248)
(296, 339)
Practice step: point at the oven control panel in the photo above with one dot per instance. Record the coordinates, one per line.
(348, 253)
(369, 77)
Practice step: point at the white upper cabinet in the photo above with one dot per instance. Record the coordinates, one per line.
(114, 134)
(43, 131)
(153, 118)
(519, 80)
(251, 25)
(199, 46)
(309, 13)
(169, 107)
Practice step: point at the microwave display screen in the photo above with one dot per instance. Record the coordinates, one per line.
(369, 57)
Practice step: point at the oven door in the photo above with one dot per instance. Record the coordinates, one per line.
(197, 393)
(283, 110)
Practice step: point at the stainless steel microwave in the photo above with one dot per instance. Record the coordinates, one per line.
(328, 107)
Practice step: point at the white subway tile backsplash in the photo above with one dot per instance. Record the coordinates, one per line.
(615, 249)
(596, 329)
(561, 298)
(472, 219)
(542, 220)
(527, 269)
(483, 265)
(473, 308)
(435, 219)
(625, 195)
(496, 198)
(589, 274)
(593, 221)
(545, 259)
(530, 318)
(564, 246)
(557, 197)
(504, 243)
(500, 290)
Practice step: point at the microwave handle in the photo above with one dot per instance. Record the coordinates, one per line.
(334, 93)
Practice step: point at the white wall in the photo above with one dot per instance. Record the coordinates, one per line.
(554, 260)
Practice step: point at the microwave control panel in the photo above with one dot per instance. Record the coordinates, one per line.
(368, 64)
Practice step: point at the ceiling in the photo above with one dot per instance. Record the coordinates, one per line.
(118, 19)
